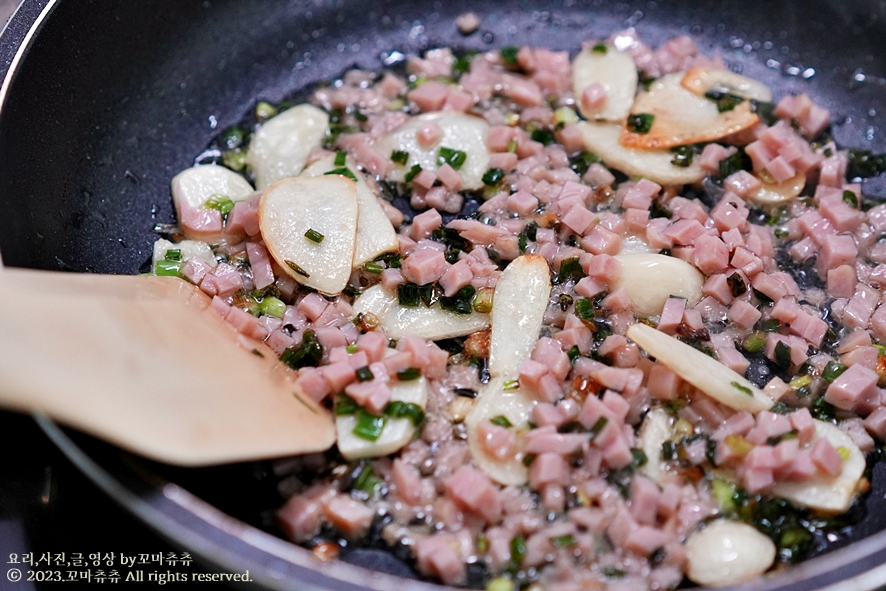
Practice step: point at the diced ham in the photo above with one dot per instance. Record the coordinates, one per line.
(436, 556)
(472, 491)
(826, 458)
(498, 442)
(424, 266)
(854, 387)
(348, 515)
(548, 468)
(430, 96)
(711, 255)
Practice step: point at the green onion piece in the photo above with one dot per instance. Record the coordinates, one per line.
(483, 300)
(683, 156)
(345, 405)
(501, 421)
(233, 137)
(460, 303)
(368, 482)
(613, 572)
(482, 544)
(850, 199)
(352, 349)
(410, 373)
(416, 168)
(766, 112)
(234, 159)
(564, 541)
(493, 177)
(408, 295)
(734, 163)
(512, 146)
(509, 55)
(832, 371)
(221, 203)
(640, 122)
(307, 354)
(565, 115)
(573, 353)
(725, 101)
(173, 254)
(340, 158)
(294, 266)
(518, 549)
(822, 410)
(865, 164)
(724, 492)
(569, 269)
(542, 136)
(430, 294)
(639, 458)
(373, 268)
(314, 236)
(528, 459)
(462, 65)
(599, 48)
(770, 325)
(271, 306)
(782, 355)
(400, 156)
(264, 111)
(364, 374)
(405, 410)
(369, 426)
(801, 381)
(584, 309)
(781, 234)
(511, 385)
(166, 268)
(343, 171)
(736, 285)
(742, 389)
(598, 426)
(500, 584)
(454, 158)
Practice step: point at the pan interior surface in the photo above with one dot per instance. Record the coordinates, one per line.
(91, 135)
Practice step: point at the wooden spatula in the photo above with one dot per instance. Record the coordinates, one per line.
(144, 363)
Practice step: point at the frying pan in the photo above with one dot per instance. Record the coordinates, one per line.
(103, 102)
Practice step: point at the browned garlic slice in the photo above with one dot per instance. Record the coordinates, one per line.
(615, 71)
(656, 165)
(281, 146)
(772, 193)
(681, 117)
(375, 234)
(292, 207)
(701, 80)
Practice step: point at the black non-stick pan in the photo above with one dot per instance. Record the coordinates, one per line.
(104, 101)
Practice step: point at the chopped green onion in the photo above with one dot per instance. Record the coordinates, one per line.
(770, 325)
(640, 122)
(294, 266)
(639, 458)
(573, 353)
(599, 48)
(832, 371)
(264, 111)
(565, 115)
(314, 236)
(400, 156)
(374, 268)
(271, 306)
(742, 389)
(736, 285)
(782, 355)
(682, 156)
(483, 300)
(563, 541)
(369, 426)
(368, 482)
(405, 410)
(345, 405)
(822, 410)
(613, 572)
(234, 159)
(500, 584)
(221, 203)
(416, 168)
(407, 295)
(352, 349)
(493, 176)
(233, 137)
(850, 199)
(454, 158)
(512, 146)
(800, 382)
(518, 549)
(343, 171)
(340, 158)
(173, 254)
(844, 452)
(509, 55)
(724, 492)
(511, 385)
(734, 163)
(430, 294)
(598, 426)
(364, 374)
(584, 309)
(738, 444)
(863, 163)
(766, 111)
(528, 459)
(307, 354)
(501, 421)
(725, 101)
(410, 373)
(460, 303)
(167, 268)
(542, 136)
(570, 269)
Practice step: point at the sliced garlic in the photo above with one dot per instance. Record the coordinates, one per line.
(682, 117)
(603, 139)
(193, 187)
(827, 495)
(772, 193)
(290, 208)
(650, 279)
(432, 323)
(701, 80)
(705, 373)
(521, 298)
(727, 552)
(656, 430)
(375, 234)
(459, 132)
(281, 146)
(615, 71)
(397, 432)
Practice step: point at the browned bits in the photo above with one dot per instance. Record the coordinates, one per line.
(325, 551)
(477, 345)
(881, 370)
(581, 388)
(603, 194)
(863, 486)
(367, 321)
(549, 220)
